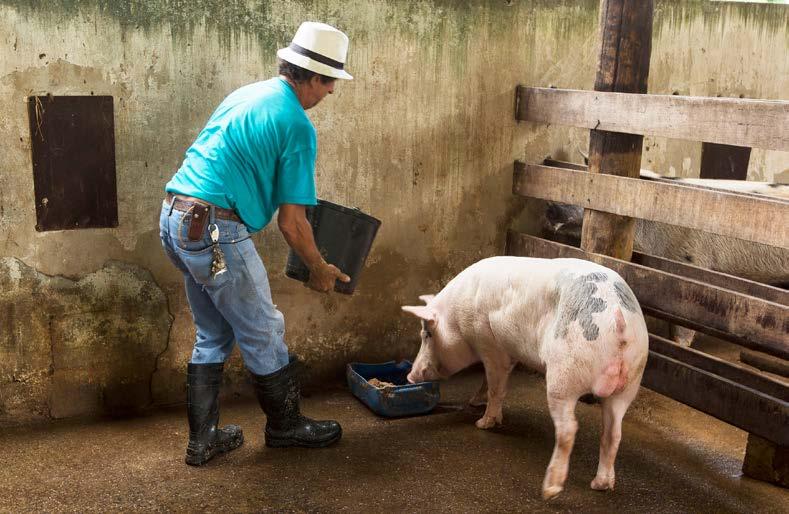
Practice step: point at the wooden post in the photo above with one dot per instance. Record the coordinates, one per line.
(626, 34)
(766, 461)
(724, 161)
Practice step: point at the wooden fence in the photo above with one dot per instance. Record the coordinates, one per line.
(747, 313)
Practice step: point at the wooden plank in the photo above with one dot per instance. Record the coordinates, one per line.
(749, 188)
(766, 363)
(724, 161)
(623, 66)
(715, 278)
(761, 220)
(733, 121)
(553, 163)
(733, 403)
(730, 370)
(742, 319)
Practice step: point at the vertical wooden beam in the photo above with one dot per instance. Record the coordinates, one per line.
(724, 161)
(623, 67)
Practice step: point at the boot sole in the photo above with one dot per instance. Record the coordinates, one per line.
(287, 442)
(198, 459)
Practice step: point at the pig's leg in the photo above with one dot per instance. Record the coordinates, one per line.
(562, 410)
(497, 371)
(613, 410)
(481, 398)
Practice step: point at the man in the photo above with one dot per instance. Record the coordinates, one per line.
(255, 155)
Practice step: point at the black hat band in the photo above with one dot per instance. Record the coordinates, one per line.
(316, 56)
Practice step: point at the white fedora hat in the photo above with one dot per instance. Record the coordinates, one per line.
(320, 48)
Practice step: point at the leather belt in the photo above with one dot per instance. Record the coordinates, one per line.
(183, 205)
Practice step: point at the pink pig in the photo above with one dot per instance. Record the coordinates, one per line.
(575, 321)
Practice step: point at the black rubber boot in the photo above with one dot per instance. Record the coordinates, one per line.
(278, 394)
(206, 439)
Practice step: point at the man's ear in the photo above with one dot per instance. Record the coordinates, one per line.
(421, 311)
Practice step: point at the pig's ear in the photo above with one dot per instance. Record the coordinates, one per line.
(426, 297)
(420, 311)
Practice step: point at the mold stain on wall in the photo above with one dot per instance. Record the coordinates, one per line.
(78, 347)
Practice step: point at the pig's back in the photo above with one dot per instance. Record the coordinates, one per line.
(512, 299)
(526, 303)
(492, 281)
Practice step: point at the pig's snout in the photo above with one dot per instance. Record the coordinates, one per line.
(423, 373)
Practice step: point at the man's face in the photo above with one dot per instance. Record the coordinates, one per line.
(315, 90)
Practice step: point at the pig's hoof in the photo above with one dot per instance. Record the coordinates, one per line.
(486, 422)
(551, 491)
(603, 483)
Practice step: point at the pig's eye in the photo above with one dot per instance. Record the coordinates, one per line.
(425, 331)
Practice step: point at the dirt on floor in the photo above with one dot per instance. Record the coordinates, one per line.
(672, 459)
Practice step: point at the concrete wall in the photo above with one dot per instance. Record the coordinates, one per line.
(424, 139)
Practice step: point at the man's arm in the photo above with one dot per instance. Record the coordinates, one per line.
(293, 223)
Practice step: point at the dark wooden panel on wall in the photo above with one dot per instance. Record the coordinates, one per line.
(73, 151)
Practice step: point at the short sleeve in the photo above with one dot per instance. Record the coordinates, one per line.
(296, 178)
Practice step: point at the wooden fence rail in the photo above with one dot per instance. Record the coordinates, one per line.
(761, 220)
(728, 396)
(741, 285)
(733, 121)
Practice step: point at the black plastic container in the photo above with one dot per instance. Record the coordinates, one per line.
(343, 236)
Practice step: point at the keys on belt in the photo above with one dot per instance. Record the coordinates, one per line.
(200, 214)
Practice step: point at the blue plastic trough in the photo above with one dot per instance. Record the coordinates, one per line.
(402, 399)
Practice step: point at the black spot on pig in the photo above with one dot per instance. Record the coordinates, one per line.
(626, 297)
(596, 277)
(577, 302)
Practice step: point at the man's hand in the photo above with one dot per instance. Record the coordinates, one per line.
(323, 276)
(297, 231)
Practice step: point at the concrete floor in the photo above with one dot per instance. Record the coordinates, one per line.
(672, 459)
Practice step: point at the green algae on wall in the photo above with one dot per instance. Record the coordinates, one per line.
(229, 19)
(234, 19)
(674, 15)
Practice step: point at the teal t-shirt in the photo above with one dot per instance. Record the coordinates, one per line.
(257, 151)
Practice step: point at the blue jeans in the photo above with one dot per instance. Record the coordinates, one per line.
(233, 305)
